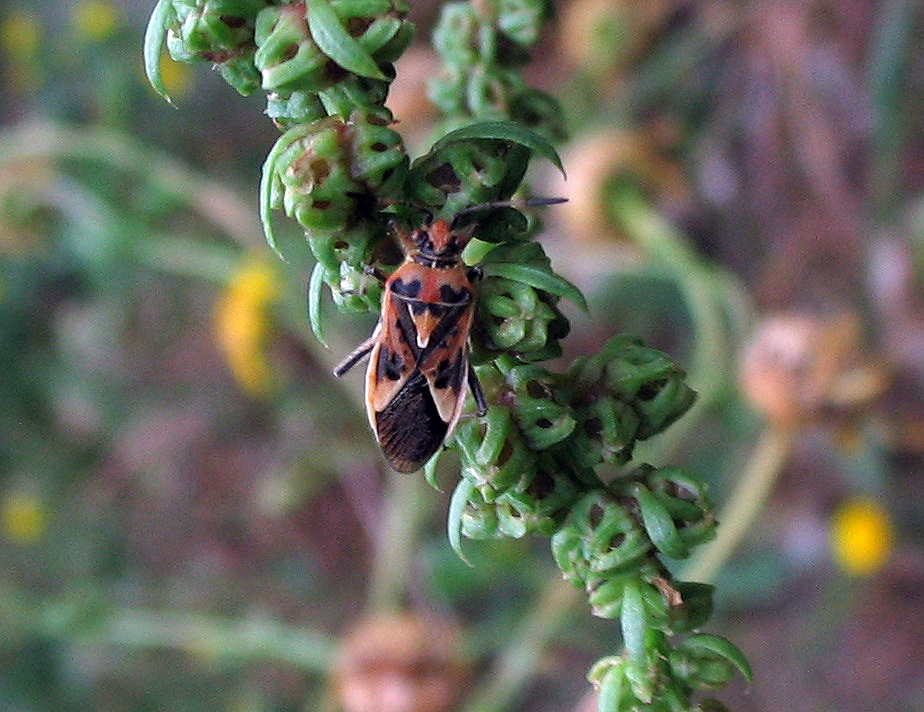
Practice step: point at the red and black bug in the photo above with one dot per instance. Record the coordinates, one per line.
(418, 373)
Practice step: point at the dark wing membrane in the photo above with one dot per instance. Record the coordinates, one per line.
(410, 428)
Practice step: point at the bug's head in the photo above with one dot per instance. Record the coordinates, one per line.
(438, 241)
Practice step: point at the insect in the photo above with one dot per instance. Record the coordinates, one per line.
(418, 373)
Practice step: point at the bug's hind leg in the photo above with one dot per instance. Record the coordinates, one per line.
(355, 356)
(477, 393)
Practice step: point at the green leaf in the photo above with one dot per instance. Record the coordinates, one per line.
(659, 524)
(457, 503)
(154, 37)
(538, 278)
(611, 690)
(633, 621)
(266, 183)
(503, 131)
(333, 39)
(314, 302)
(430, 470)
(717, 645)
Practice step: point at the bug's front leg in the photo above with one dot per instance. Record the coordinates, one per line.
(375, 272)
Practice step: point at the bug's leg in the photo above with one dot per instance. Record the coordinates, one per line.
(475, 274)
(375, 272)
(477, 393)
(355, 356)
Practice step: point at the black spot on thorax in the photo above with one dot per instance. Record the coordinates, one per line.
(406, 289)
(454, 296)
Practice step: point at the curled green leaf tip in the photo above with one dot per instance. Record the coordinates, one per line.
(154, 36)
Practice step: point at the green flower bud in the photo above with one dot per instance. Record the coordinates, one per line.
(662, 402)
(599, 535)
(494, 453)
(517, 307)
(606, 590)
(456, 35)
(322, 167)
(626, 685)
(645, 378)
(312, 180)
(543, 421)
(542, 503)
(241, 74)
(213, 30)
(707, 662)
(355, 92)
(467, 172)
(292, 60)
(379, 159)
(521, 20)
(683, 496)
(606, 431)
(287, 57)
(288, 110)
(513, 316)
(447, 93)
(481, 519)
(535, 509)
(487, 93)
(219, 31)
(343, 255)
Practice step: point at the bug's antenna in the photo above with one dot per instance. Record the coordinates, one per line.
(520, 203)
(517, 203)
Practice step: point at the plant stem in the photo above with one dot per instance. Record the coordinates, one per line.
(215, 639)
(405, 508)
(220, 205)
(703, 294)
(88, 621)
(517, 662)
(744, 504)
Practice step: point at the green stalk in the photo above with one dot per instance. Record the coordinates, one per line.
(743, 506)
(704, 296)
(35, 142)
(212, 638)
(406, 506)
(518, 661)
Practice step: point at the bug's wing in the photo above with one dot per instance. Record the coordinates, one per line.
(446, 366)
(393, 359)
(410, 429)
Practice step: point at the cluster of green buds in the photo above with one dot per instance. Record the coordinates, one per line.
(484, 46)
(326, 66)
(531, 466)
(220, 31)
(654, 676)
(536, 451)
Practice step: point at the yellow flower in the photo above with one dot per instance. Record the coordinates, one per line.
(242, 324)
(23, 518)
(861, 536)
(20, 33)
(94, 20)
